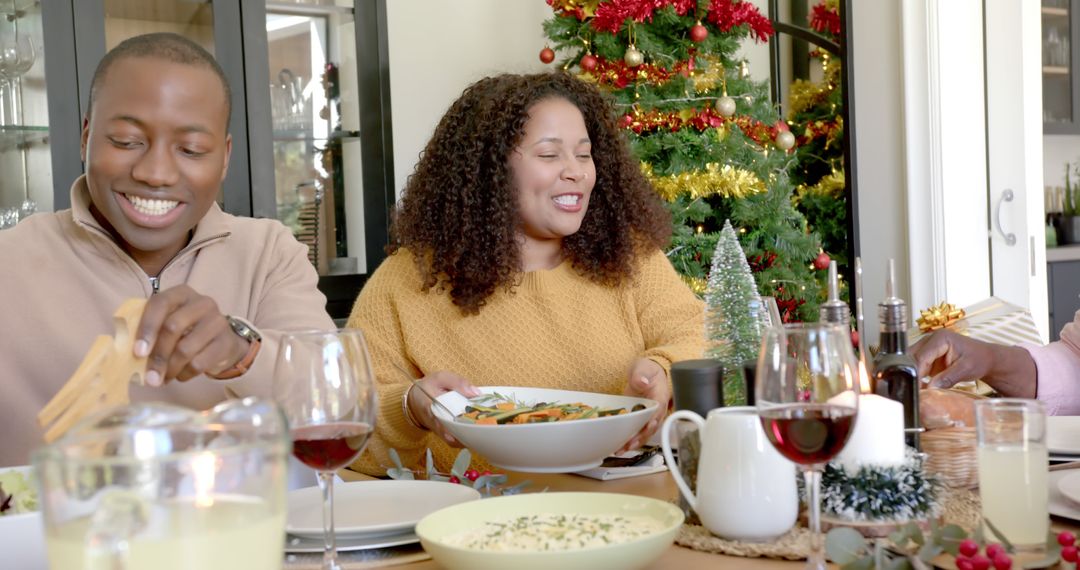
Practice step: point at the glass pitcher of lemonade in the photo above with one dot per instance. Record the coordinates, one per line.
(154, 486)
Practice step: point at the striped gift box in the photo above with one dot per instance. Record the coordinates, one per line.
(993, 320)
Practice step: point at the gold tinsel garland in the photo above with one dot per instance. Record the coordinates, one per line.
(808, 94)
(829, 185)
(715, 180)
(709, 77)
(696, 284)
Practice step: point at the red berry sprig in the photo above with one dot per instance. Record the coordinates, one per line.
(968, 557)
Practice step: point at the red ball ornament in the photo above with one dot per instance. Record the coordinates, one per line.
(855, 338)
(698, 33)
(588, 62)
(821, 262)
(547, 55)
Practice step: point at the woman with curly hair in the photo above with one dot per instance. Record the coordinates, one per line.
(526, 250)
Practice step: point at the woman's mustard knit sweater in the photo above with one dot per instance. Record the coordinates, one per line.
(555, 329)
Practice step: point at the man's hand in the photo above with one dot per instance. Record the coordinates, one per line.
(185, 335)
(952, 358)
(648, 380)
(437, 384)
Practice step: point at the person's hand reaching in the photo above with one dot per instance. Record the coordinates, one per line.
(950, 358)
(648, 380)
(184, 334)
(437, 384)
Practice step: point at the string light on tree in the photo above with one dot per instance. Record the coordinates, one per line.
(547, 55)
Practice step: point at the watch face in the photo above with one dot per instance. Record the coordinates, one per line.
(241, 329)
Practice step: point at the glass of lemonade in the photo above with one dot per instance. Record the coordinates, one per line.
(157, 487)
(1013, 467)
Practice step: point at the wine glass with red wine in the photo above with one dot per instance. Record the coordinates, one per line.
(324, 384)
(807, 398)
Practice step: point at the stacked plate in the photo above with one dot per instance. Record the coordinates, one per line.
(1063, 438)
(368, 514)
(1063, 443)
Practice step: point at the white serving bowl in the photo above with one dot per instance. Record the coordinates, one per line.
(435, 528)
(22, 536)
(550, 447)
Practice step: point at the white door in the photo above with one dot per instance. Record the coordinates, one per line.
(1015, 155)
(973, 130)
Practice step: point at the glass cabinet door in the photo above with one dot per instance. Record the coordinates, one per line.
(1057, 63)
(128, 18)
(26, 185)
(315, 124)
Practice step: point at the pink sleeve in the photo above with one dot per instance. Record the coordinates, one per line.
(1058, 365)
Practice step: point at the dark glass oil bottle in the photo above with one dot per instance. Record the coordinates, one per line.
(895, 371)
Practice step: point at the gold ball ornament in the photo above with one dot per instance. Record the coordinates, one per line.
(725, 106)
(633, 56)
(785, 140)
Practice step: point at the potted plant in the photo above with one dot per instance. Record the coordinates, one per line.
(1070, 214)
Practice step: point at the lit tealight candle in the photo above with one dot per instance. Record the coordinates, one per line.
(878, 438)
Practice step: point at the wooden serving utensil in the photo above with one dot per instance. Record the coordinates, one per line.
(103, 376)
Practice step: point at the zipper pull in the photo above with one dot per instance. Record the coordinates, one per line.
(155, 285)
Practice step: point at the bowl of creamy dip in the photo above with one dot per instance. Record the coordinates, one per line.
(545, 531)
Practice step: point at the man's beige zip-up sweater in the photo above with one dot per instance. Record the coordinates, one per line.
(62, 276)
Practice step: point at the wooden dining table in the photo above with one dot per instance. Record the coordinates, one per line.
(658, 486)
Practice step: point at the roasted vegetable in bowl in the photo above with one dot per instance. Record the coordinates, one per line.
(17, 495)
(494, 409)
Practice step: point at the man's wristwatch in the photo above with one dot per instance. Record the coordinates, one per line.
(246, 332)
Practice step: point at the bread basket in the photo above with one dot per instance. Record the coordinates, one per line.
(950, 455)
(949, 442)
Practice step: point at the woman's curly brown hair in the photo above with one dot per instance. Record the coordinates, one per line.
(459, 211)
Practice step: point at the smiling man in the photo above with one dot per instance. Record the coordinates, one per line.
(144, 222)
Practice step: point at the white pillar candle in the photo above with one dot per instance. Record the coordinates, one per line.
(878, 436)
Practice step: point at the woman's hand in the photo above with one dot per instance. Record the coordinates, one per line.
(437, 384)
(648, 380)
(184, 335)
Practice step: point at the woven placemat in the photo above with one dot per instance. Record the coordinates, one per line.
(961, 508)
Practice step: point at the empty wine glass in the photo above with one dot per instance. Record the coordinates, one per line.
(807, 397)
(326, 388)
(9, 57)
(25, 56)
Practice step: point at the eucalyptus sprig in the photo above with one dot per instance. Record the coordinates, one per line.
(909, 548)
(489, 485)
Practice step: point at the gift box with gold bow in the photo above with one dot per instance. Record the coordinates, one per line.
(990, 320)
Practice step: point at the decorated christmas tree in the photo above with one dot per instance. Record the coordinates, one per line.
(732, 309)
(707, 135)
(814, 115)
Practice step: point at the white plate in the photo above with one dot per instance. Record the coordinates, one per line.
(1069, 486)
(1059, 505)
(299, 545)
(367, 509)
(1063, 434)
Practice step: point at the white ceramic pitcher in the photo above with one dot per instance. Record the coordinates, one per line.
(745, 488)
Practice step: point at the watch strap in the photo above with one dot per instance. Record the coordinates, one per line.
(241, 366)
